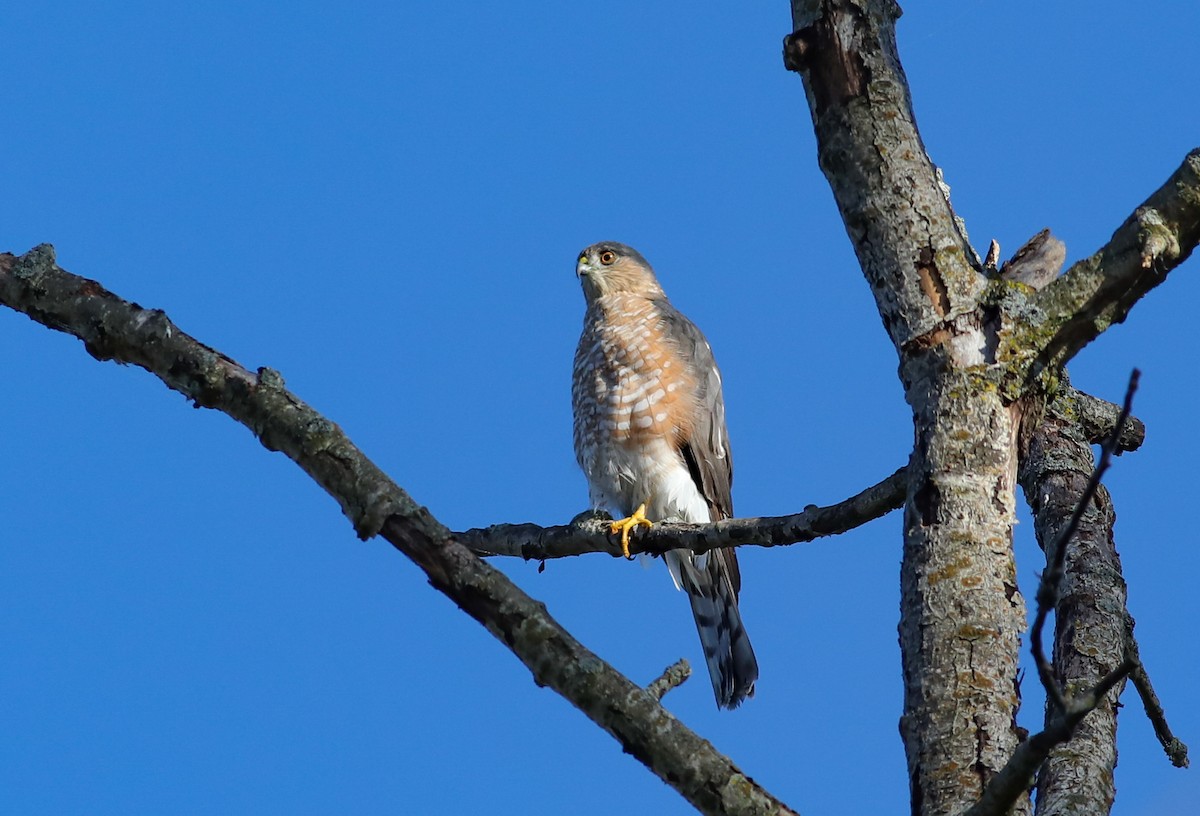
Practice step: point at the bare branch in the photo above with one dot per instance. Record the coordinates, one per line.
(587, 534)
(672, 677)
(114, 329)
(534, 543)
(1099, 291)
(1097, 419)
(1175, 749)
(1048, 588)
(919, 264)
(1014, 778)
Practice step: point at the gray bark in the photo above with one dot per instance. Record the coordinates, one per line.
(1090, 619)
(961, 615)
(977, 352)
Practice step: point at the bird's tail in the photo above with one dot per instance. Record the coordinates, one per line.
(709, 581)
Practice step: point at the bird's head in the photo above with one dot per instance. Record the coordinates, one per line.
(609, 268)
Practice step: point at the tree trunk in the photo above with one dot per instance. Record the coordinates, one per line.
(961, 614)
(1090, 620)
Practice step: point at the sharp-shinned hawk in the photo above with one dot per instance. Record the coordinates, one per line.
(650, 437)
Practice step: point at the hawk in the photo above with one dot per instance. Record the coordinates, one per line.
(650, 437)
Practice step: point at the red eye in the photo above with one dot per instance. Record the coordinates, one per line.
(607, 257)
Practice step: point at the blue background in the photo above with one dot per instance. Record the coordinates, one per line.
(384, 202)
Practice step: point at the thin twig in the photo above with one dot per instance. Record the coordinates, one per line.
(1176, 749)
(672, 677)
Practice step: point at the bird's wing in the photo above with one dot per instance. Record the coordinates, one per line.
(705, 448)
(712, 580)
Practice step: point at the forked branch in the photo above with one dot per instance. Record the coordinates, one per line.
(115, 329)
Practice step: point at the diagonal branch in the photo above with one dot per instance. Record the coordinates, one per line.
(531, 542)
(1099, 291)
(1174, 747)
(916, 258)
(114, 329)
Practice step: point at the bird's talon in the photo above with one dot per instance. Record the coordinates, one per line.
(626, 525)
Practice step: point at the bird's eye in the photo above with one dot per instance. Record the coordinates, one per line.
(607, 257)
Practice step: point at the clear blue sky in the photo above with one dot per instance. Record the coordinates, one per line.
(384, 202)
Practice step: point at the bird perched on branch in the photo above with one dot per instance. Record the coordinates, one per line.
(650, 437)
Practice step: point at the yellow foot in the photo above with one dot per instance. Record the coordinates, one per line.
(626, 525)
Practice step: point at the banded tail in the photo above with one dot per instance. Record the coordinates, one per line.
(709, 579)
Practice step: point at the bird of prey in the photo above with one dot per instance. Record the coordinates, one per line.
(650, 437)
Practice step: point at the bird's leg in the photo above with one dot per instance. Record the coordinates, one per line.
(626, 525)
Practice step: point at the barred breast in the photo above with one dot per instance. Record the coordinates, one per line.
(633, 398)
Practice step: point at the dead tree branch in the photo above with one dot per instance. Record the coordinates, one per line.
(1096, 419)
(1048, 593)
(672, 677)
(919, 265)
(1175, 749)
(534, 543)
(115, 329)
(1099, 291)
(1082, 582)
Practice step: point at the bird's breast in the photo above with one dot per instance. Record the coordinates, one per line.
(630, 377)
